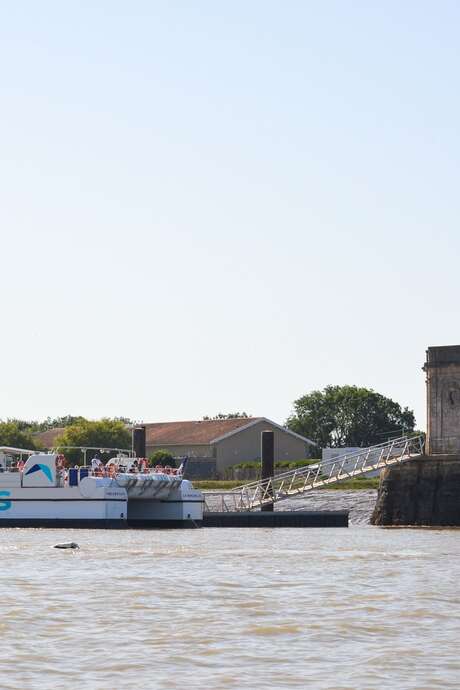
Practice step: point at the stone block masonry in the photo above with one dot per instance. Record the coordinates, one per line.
(422, 492)
(426, 491)
(442, 369)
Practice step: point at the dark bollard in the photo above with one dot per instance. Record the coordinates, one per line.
(267, 440)
(139, 441)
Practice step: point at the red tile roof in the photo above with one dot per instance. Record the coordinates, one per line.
(192, 433)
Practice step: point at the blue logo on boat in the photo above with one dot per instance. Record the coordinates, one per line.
(5, 505)
(44, 468)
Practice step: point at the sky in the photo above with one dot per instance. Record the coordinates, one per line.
(219, 206)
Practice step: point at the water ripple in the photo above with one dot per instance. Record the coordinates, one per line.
(356, 609)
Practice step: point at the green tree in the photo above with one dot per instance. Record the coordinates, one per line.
(228, 415)
(105, 433)
(57, 422)
(342, 416)
(23, 424)
(13, 434)
(48, 423)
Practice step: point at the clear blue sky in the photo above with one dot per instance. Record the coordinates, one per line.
(219, 206)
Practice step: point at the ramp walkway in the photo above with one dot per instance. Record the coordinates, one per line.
(299, 481)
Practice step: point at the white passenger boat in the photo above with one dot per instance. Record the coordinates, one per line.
(40, 493)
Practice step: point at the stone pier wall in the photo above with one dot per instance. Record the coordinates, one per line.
(424, 492)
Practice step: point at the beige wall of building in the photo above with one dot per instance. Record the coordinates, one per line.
(244, 446)
(203, 451)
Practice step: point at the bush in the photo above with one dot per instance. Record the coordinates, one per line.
(162, 457)
(280, 465)
(301, 463)
(288, 464)
(249, 465)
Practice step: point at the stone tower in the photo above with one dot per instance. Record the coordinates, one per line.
(442, 369)
(426, 490)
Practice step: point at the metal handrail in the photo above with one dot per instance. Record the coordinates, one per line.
(336, 469)
(336, 458)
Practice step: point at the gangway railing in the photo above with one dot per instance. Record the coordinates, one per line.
(294, 482)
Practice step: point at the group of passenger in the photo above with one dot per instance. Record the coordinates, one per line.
(138, 466)
(114, 466)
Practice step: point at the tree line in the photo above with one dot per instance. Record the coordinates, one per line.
(336, 416)
(76, 431)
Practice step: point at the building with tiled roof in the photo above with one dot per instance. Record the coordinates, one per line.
(226, 441)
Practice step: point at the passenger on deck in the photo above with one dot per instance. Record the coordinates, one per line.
(96, 462)
(159, 469)
(100, 469)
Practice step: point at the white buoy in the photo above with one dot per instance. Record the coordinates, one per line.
(67, 545)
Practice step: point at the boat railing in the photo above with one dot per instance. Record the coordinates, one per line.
(92, 472)
(82, 471)
(9, 469)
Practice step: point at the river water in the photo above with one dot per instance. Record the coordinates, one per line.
(362, 608)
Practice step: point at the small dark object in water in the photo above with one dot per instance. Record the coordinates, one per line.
(67, 545)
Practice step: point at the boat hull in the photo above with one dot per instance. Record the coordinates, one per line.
(39, 496)
(63, 506)
(56, 523)
(182, 508)
(165, 514)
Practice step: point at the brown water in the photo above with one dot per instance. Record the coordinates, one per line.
(360, 609)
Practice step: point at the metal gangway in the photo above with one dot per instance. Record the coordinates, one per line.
(340, 468)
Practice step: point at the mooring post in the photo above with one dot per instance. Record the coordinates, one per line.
(267, 442)
(139, 441)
